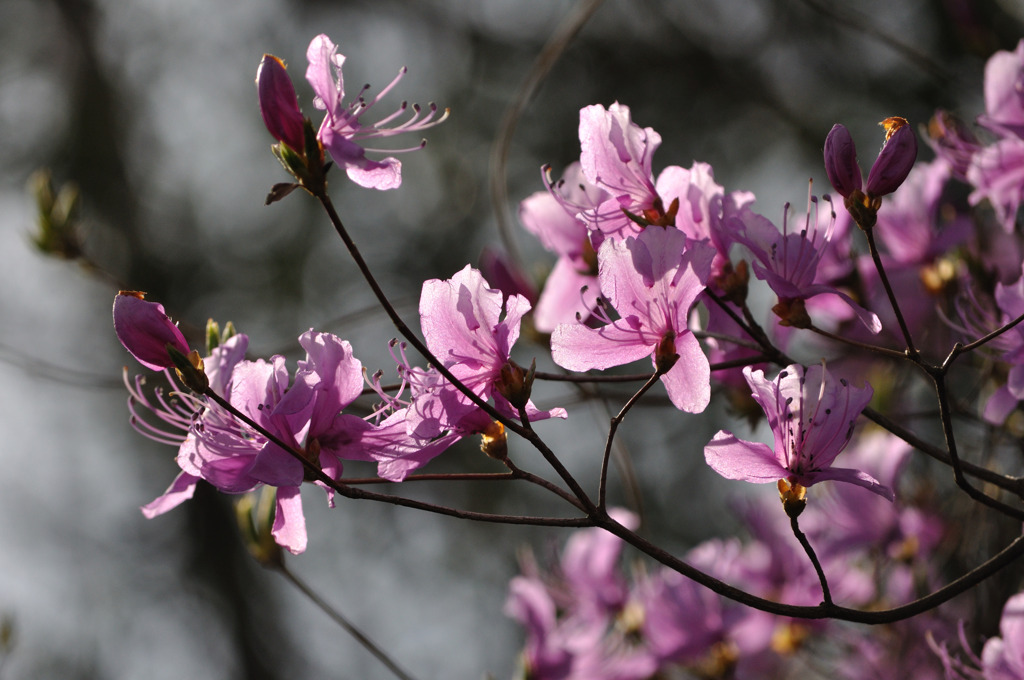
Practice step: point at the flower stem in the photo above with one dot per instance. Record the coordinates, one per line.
(525, 432)
(800, 536)
(911, 352)
(613, 428)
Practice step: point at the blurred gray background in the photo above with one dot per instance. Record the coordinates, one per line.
(149, 107)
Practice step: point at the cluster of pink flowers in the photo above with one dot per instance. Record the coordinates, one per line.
(461, 324)
(647, 266)
(588, 617)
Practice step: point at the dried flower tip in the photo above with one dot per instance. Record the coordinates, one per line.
(494, 441)
(892, 124)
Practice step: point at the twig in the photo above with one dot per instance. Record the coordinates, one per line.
(343, 622)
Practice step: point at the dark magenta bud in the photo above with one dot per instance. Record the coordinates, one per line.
(146, 331)
(841, 161)
(895, 159)
(278, 103)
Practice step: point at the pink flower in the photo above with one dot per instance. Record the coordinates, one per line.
(463, 328)
(616, 157)
(551, 217)
(343, 130)
(811, 416)
(145, 330)
(304, 413)
(652, 280)
(788, 260)
(997, 171)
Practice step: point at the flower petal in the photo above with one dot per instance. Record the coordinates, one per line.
(738, 459)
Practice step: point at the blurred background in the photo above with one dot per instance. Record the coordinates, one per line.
(149, 108)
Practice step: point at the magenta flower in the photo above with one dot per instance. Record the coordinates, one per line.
(652, 281)
(145, 330)
(788, 260)
(278, 104)
(343, 131)
(811, 415)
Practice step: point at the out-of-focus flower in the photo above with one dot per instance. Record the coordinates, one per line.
(1002, 658)
(652, 281)
(1004, 93)
(788, 261)
(997, 171)
(811, 415)
(997, 174)
(145, 330)
(953, 142)
(343, 131)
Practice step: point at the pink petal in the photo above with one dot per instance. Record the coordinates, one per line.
(289, 523)
(562, 299)
(180, 490)
(738, 459)
(457, 317)
(689, 381)
(321, 56)
(579, 348)
(849, 476)
(381, 175)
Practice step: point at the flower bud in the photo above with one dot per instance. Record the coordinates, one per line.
(895, 160)
(665, 354)
(792, 312)
(841, 161)
(278, 103)
(146, 331)
(254, 512)
(190, 370)
(515, 384)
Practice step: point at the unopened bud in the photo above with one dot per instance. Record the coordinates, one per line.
(792, 312)
(841, 161)
(278, 103)
(146, 331)
(58, 233)
(665, 355)
(254, 512)
(516, 384)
